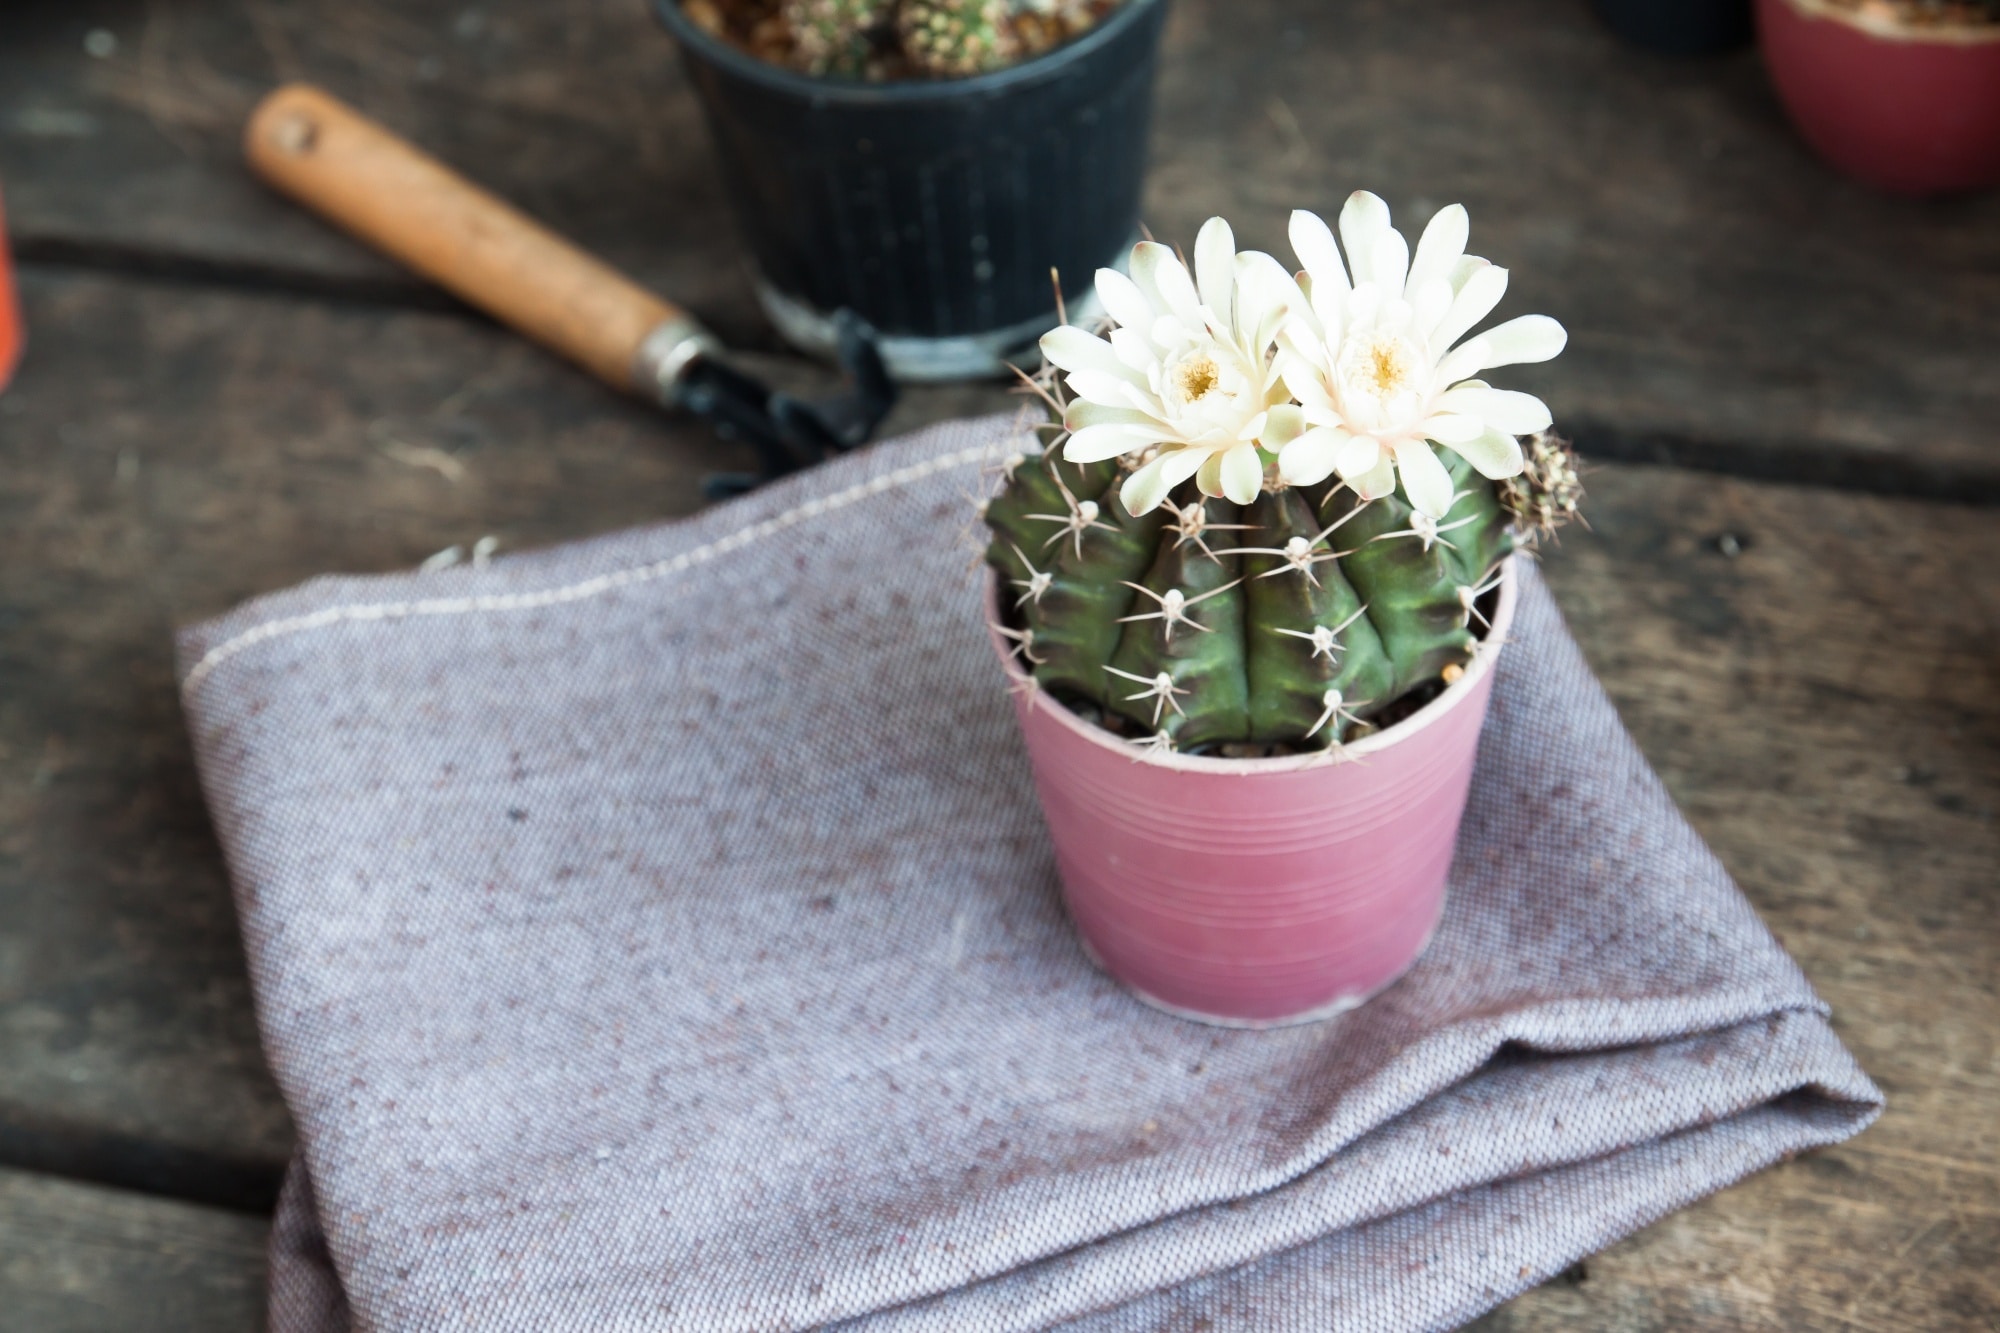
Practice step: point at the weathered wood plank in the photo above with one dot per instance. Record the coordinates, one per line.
(83, 1259)
(1733, 303)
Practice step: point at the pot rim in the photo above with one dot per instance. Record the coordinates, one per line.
(1454, 694)
(846, 92)
(1967, 35)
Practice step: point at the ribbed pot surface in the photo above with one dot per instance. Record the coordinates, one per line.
(1262, 891)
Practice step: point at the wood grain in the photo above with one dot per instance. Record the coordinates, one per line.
(81, 1259)
(1734, 304)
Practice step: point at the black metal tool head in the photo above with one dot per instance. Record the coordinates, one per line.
(788, 432)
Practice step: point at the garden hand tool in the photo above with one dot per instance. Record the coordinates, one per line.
(383, 190)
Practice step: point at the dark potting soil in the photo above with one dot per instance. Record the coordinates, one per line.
(759, 27)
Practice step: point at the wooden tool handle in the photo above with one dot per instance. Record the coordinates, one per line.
(347, 168)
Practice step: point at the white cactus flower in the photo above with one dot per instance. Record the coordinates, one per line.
(1374, 368)
(1188, 370)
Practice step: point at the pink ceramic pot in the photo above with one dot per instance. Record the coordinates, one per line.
(1916, 111)
(1257, 892)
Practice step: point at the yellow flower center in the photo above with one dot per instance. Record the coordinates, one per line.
(1384, 369)
(1389, 367)
(1196, 377)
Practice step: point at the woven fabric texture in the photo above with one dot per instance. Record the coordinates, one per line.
(660, 933)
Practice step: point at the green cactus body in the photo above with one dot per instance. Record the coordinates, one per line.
(835, 38)
(1181, 652)
(954, 38)
(1290, 623)
(1307, 631)
(1487, 534)
(1411, 590)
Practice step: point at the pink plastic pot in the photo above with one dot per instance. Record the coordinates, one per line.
(1916, 111)
(1257, 892)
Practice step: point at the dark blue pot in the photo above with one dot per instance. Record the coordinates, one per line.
(935, 209)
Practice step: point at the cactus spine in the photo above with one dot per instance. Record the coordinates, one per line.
(1296, 622)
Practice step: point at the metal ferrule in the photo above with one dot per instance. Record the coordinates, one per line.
(666, 354)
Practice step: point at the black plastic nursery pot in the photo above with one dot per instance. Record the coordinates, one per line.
(1678, 27)
(936, 208)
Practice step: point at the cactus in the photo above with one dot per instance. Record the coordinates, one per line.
(836, 38)
(953, 38)
(1294, 623)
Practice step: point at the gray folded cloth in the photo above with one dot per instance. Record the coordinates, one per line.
(659, 932)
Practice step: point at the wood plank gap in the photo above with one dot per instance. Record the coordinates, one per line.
(48, 1146)
(70, 256)
(1796, 462)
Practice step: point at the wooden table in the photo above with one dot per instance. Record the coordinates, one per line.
(1792, 588)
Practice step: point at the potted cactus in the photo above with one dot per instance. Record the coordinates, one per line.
(1902, 94)
(899, 158)
(1250, 596)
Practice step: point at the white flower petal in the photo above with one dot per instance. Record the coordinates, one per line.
(1124, 302)
(1312, 242)
(1084, 412)
(1425, 481)
(1377, 481)
(1451, 427)
(1242, 473)
(1524, 339)
(1157, 267)
(1359, 456)
(1505, 409)
(1144, 489)
(1468, 358)
(1297, 341)
(1302, 378)
(1283, 424)
(1094, 444)
(1208, 477)
(1494, 453)
(1266, 296)
(1120, 390)
(1462, 270)
(1442, 245)
(1474, 302)
(1363, 219)
(1215, 268)
(1389, 262)
(1308, 460)
(1070, 348)
(1429, 306)
(1359, 309)
(1182, 464)
(1133, 351)
(1330, 313)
